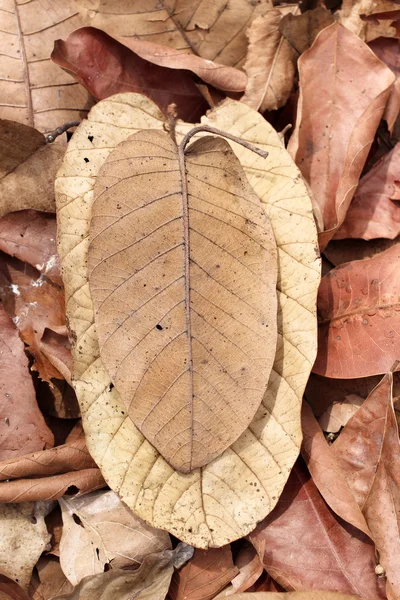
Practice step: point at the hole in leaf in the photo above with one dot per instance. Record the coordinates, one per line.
(86, 160)
(77, 520)
(159, 327)
(90, 138)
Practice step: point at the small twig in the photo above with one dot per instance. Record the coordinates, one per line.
(52, 135)
(224, 134)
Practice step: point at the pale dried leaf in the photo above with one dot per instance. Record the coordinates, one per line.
(27, 168)
(270, 62)
(100, 530)
(24, 537)
(190, 506)
(355, 85)
(22, 426)
(349, 15)
(337, 414)
(33, 90)
(212, 30)
(191, 364)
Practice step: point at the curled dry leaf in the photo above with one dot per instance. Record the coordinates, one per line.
(208, 572)
(368, 452)
(250, 569)
(149, 582)
(304, 545)
(105, 67)
(270, 62)
(356, 85)
(33, 90)
(73, 456)
(22, 529)
(35, 304)
(30, 236)
(372, 212)
(57, 399)
(27, 168)
(337, 414)
(49, 581)
(190, 506)
(359, 302)
(51, 488)
(99, 530)
(215, 31)
(301, 30)
(192, 353)
(22, 426)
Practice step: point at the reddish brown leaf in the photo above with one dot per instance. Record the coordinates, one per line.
(341, 251)
(372, 212)
(336, 126)
(30, 236)
(35, 304)
(368, 452)
(61, 459)
(359, 312)
(22, 427)
(208, 572)
(10, 590)
(250, 569)
(49, 581)
(305, 546)
(51, 488)
(106, 67)
(387, 50)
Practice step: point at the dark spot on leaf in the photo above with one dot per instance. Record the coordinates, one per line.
(159, 327)
(86, 160)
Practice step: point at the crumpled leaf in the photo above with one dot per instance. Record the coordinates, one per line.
(352, 16)
(208, 572)
(27, 168)
(387, 50)
(35, 304)
(215, 31)
(99, 530)
(23, 537)
(30, 236)
(22, 426)
(372, 212)
(33, 90)
(191, 364)
(49, 581)
(301, 30)
(356, 85)
(51, 488)
(304, 545)
(368, 452)
(337, 414)
(161, 496)
(105, 67)
(149, 582)
(270, 62)
(72, 456)
(359, 302)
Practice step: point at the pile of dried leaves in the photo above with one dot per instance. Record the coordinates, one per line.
(174, 177)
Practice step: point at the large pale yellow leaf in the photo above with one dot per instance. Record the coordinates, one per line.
(224, 500)
(182, 273)
(214, 30)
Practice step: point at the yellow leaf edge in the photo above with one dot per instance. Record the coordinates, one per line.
(226, 499)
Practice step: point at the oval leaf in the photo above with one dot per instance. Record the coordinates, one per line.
(187, 319)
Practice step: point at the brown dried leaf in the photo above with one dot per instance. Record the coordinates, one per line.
(36, 304)
(149, 582)
(49, 581)
(51, 488)
(22, 427)
(301, 30)
(304, 545)
(359, 316)
(33, 90)
(57, 399)
(343, 251)
(215, 31)
(208, 572)
(27, 168)
(387, 50)
(183, 359)
(353, 15)
(270, 62)
(23, 537)
(372, 212)
(293, 596)
(30, 236)
(337, 415)
(356, 85)
(105, 67)
(368, 452)
(100, 530)
(250, 569)
(73, 456)
(10, 590)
